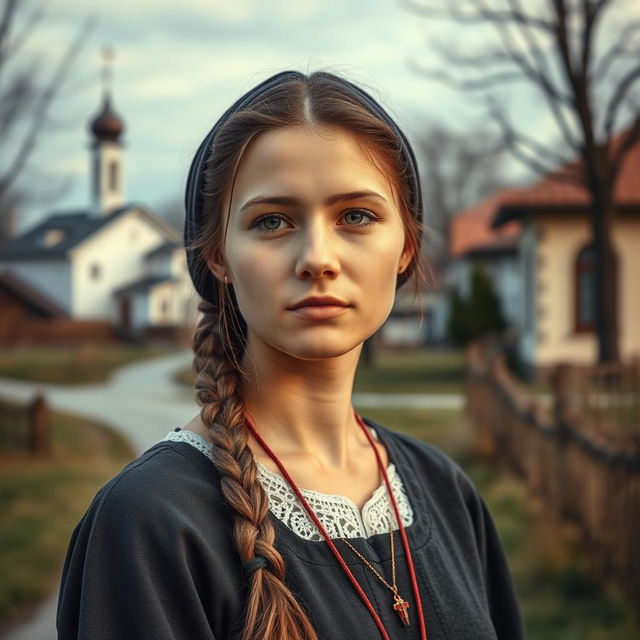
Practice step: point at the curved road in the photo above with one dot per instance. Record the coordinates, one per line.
(142, 402)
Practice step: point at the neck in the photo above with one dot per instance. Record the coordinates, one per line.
(303, 408)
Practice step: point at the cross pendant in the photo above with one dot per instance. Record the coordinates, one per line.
(402, 609)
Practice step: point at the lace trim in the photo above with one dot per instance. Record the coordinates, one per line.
(338, 514)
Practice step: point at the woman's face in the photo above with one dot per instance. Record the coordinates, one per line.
(302, 225)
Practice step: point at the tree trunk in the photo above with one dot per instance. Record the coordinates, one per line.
(606, 296)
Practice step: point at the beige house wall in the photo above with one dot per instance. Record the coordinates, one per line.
(559, 241)
(627, 241)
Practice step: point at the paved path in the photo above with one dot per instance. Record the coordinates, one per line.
(142, 402)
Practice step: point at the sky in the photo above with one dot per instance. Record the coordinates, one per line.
(178, 66)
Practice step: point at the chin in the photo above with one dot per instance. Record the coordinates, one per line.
(319, 349)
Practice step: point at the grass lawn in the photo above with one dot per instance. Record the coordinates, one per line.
(415, 371)
(412, 371)
(88, 363)
(559, 599)
(41, 500)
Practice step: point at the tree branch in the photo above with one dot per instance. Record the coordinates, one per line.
(619, 49)
(42, 106)
(6, 50)
(474, 84)
(516, 142)
(19, 93)
(482, 15)
(480, 59)
(593, 13)
(542, 77)
(618, 98)
(5, 27)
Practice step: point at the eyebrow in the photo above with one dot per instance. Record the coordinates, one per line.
(291, 201)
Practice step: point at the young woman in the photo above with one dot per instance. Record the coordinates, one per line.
(278, 512)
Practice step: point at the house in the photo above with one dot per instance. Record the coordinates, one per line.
(113, 261)
(404, 327)
(473, 241)
(546, 279)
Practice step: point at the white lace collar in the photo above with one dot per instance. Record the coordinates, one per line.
(338, 514)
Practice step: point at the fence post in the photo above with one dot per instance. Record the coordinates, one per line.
(560, 385)
(39, 426)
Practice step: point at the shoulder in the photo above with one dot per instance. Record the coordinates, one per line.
(153, 556)
(168, 482)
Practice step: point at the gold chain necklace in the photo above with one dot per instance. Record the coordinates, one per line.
(401, 606)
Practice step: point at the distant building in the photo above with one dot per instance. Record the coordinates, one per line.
(536, 243)
(113, 261)
(405, 327)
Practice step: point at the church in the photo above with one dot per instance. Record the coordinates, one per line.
(114, 263)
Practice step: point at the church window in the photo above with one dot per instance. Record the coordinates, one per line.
(164, 310)
(53, 237)
(113, 175)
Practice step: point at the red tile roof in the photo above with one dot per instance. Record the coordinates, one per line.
(471, 229)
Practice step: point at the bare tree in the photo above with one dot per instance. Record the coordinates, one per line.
(587, 80)
(459, 169)
(25, 101)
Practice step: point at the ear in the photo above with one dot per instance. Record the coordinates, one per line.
(218, 268)
(405, 258)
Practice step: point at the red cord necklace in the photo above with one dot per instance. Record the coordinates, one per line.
(336, 553)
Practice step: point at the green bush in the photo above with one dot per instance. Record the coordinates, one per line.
(478, 315)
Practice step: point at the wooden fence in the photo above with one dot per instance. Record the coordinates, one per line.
(55, 331)
(25, 428)
(580, 452)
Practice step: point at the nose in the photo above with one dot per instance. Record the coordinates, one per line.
(317, 254)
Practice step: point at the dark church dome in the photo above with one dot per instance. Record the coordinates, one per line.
(107, 125)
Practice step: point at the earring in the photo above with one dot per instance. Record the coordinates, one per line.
(225, 278)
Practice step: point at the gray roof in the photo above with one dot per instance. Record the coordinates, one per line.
(76, 226)
(37, 301)
(144, 284)
(165, 247)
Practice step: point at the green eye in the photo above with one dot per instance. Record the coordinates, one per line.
(360, 215)
(268, 223)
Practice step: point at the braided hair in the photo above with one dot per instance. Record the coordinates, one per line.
(272, 610)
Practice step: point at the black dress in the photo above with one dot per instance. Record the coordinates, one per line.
(153, 558)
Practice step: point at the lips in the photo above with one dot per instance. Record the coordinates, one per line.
(319, 301)
(319, 308)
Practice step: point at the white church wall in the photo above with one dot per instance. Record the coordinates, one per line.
(108, 176)
(118, 250)
(163, 304)
(179, 263)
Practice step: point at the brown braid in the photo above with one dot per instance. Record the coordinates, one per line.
(272, 611)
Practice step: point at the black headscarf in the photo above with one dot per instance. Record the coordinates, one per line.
(203, 279)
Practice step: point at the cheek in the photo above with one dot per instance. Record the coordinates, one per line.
(379, 263)
(256, 279)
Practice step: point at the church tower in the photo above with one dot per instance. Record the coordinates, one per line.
(106, 149)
